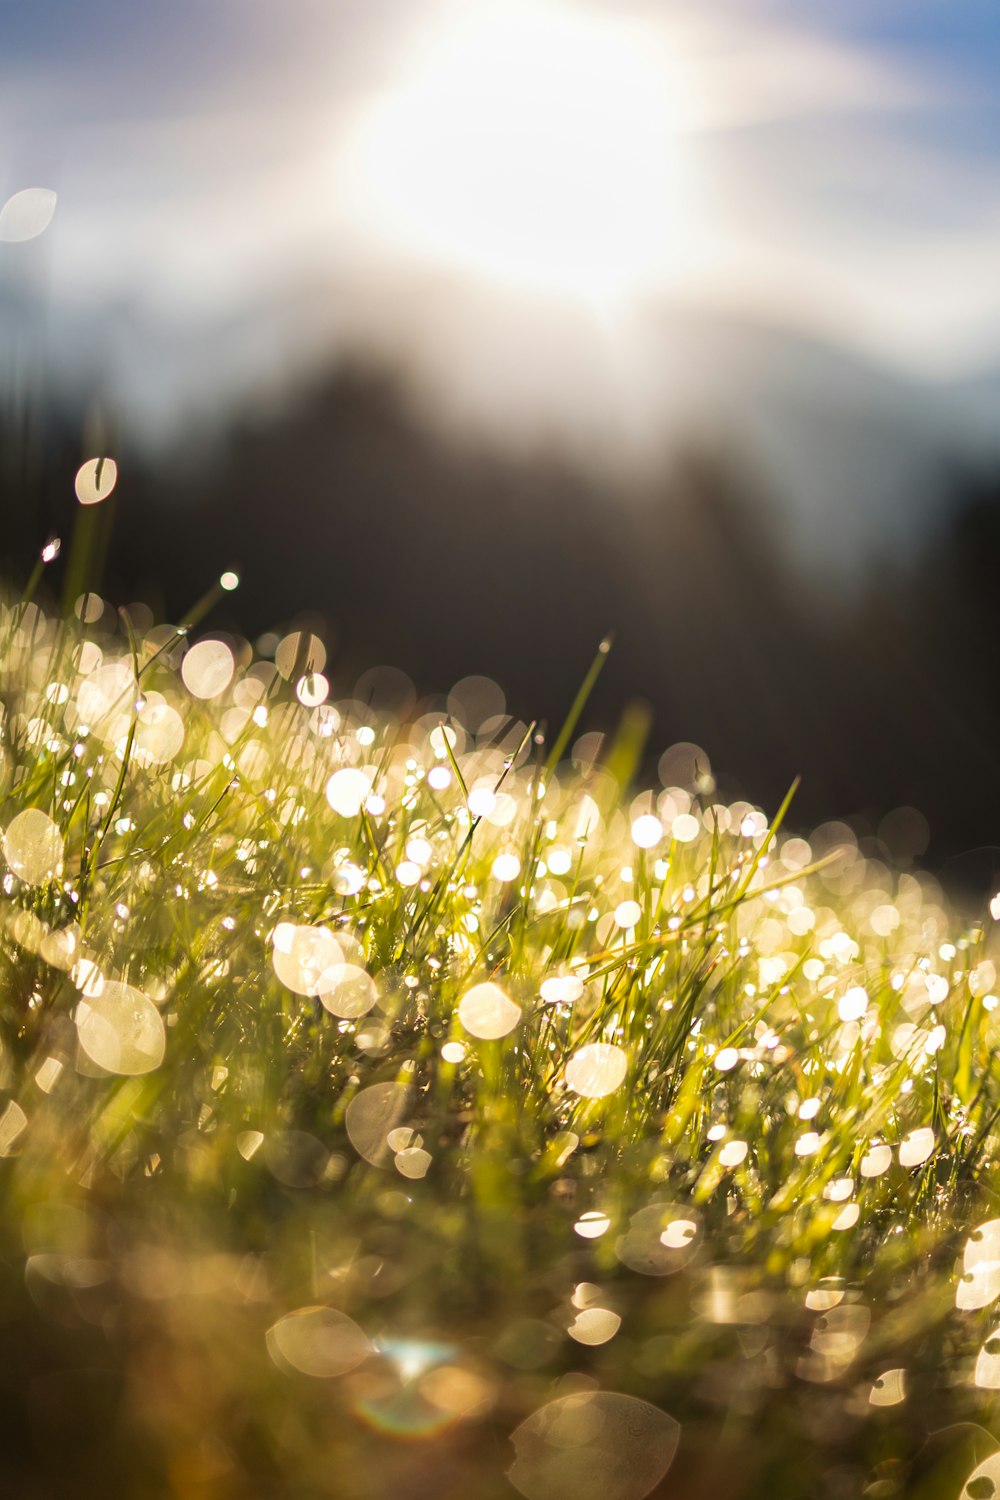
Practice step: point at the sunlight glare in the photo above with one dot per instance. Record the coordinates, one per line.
(535, 144)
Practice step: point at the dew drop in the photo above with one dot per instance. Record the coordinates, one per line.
(121, 1030)
(486, 1012)
(317, 1341)
(596, 1070)
(593, 1445)
(33, 847)
(95, 480)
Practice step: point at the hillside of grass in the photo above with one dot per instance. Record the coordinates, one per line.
(417, 1108)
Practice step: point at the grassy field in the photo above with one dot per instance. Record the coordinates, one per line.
(413, 1108)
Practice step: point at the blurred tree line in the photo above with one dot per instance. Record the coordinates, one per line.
(444, 557)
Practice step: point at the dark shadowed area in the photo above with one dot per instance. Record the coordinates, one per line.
(441, 557)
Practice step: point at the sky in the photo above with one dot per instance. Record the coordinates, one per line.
(244, 189)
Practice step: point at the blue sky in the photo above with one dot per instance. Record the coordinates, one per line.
(843, 161)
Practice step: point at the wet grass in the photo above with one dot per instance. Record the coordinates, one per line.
(533, 1085)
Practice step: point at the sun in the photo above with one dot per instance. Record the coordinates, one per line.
(534, 144)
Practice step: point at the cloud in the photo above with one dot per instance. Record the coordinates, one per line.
(841, 187)
(754, 72)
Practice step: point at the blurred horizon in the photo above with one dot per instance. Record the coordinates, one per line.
(420, 560)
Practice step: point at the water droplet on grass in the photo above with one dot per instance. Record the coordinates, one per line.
(207, 669)
(371, 1115)
(95, 480)
(33, 847)
(597, 1070)
(594, 1445)
(121, 1030)
(317, 1341)
(486, 1012)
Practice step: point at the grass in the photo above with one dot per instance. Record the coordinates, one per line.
(294, 1206)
